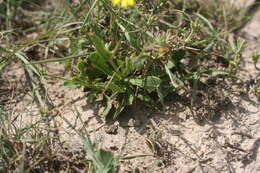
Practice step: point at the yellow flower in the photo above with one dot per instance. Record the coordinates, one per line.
(163, 50)
(124, 3)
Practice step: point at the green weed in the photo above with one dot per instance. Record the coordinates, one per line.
(143, 53)
(103, 161)
(136, 56)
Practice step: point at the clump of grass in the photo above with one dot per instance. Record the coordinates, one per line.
(33, 148)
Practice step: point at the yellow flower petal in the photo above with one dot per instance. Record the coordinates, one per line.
(131, 2)
(124, 3)
(163, 50)
(115, 2)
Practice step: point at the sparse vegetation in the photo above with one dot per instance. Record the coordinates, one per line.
(119, 56)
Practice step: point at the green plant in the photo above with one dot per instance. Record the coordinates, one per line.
(148, 66)
(127, 55)
(103, 161)
(8, 11)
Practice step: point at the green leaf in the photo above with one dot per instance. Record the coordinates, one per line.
(160, 95)
(137, 156)
(192, 76)
(126, 33)
(210, 46)
(125, 99)
(150, 83)
(170, 64)
(76, 82)
(130, 97)
(120, 107)
(100, 46)
(82, 65)
(94, 74)
(102, 161)
(207, 22)
(80, 80)
(132, 63)
(216, 72)
(145, 98)
(106, 158)
(70, 84)
(100, 63)
(109, 104)
(176, 82)
(139, 61)
(116, 88)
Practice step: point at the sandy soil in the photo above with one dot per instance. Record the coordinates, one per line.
(228, 144)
